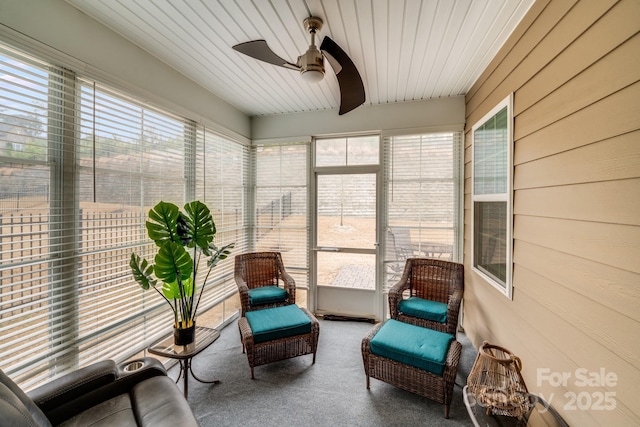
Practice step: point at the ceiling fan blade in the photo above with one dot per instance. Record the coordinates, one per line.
(351, 86)
(259, 49)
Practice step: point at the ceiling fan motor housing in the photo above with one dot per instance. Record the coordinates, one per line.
(312, 60)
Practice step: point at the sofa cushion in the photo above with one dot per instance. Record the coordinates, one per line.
(267, 295)
(117, 411)
(413, 345)
(424, 309)
(278, 322)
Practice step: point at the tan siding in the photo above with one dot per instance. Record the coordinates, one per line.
(615, 158)
(574, 69)
(603, 37)
(615, 202)
(487, 86)
(613, 287)
(614, 115)
(580, 91)
(611, 244)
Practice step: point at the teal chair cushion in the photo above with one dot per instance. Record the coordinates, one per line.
(424, 309)
(267, 295)
(412, 345)
(278, 322)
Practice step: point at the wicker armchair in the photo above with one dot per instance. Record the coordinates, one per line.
(258, 276)
(427, 281)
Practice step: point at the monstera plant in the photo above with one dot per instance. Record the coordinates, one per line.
(182, 240)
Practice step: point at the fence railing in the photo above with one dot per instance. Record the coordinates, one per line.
(270, 215)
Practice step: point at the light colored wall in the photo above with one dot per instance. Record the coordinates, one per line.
(92, 47)
(443, 113)
(574, 68)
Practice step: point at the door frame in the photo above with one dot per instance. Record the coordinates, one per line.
(377, 293)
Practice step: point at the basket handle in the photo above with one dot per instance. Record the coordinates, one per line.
(517, 361)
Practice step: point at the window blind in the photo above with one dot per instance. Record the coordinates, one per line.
(280, 198)
(222, 182)
(422, 199)
(81, 164)
(37, 312)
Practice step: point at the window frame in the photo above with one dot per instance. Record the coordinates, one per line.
(505, 288)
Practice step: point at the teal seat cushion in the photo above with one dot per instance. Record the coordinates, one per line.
(267, 295)
(278, 322)
(412, 345)
(424, 309)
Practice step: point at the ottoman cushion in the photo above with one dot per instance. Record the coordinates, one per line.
(413, 345)
(278, 322)
(267, 295)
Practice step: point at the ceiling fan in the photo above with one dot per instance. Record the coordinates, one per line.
(311, 64)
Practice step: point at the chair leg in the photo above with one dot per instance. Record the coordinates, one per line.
(446, 411)
(368, 382)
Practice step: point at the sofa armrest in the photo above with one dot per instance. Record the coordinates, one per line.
(74, 385)
(80, 390)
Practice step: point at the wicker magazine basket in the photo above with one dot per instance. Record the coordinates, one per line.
(497, 384)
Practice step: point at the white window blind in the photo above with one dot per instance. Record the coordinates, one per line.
(422, 199)
(80, 165)
(222, 181)
(130, 156)
(281, 217)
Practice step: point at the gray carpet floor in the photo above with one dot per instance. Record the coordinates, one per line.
(295, 392)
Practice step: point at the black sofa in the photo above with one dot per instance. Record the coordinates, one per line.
(135, 393)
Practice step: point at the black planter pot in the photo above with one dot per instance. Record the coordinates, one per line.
(184, 336)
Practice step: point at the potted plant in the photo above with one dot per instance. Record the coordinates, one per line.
(182, 238)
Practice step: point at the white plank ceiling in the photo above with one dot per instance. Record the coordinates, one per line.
(405, 50)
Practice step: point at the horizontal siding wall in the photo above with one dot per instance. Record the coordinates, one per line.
(574, 69)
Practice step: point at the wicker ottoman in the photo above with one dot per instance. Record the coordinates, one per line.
(278, 333)
(404, 364)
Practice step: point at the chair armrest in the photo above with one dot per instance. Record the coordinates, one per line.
(80, 390)
(453, 310)
(395, 295)
(243, 290)
(289, 286)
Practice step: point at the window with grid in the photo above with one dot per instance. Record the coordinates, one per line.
(422, 199)
(492, 196)
(81, 164)
(280, 198)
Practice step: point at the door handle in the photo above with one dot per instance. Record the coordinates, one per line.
(325, 249)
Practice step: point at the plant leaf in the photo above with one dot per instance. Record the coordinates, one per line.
(199, 228)
(162, 225)
(170, 290)
(219, 254)
(173, 262)
(142, 272)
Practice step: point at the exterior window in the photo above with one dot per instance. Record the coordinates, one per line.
(492, 141)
